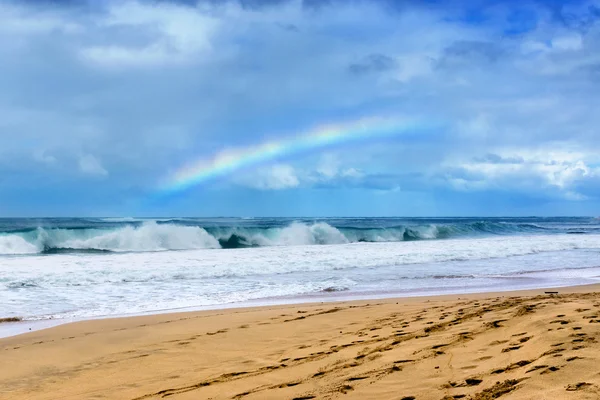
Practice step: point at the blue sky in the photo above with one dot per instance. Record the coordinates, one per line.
(100, 101)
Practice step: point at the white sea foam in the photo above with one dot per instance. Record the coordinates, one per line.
(13, 244)
(182, 234)
(302, 234)
(148, 237)
(151, 236)
(87, 284)
(120, 219)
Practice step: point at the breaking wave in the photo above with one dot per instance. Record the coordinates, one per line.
(172, 234)
(147, 237)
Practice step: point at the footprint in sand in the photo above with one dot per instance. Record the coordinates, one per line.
(357, 378)
(512, 366)
(217, 332)
(548, 370)
(496, 324)
(473, 381)
(346, 388)
(574, 358)
(289, 384)
(577, 386)
(536, 368)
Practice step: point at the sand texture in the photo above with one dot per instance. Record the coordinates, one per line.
(479, 347)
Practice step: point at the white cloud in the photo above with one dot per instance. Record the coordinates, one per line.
(413, 66)
(351, 173)
(555, 172)
(183, 81)
(88, 164)
(474, 127)
(275, 177)
(117, 56)
(177, 34)
(43, 157)
(328, 171)
(18, 21)
(328, 166)
(572, 42)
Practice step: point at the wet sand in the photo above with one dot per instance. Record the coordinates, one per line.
(516, 345)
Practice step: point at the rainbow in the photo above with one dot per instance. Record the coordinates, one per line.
(229, 161)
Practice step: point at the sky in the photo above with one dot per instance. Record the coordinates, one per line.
(103, 104)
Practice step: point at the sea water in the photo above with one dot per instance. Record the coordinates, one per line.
(94, 267)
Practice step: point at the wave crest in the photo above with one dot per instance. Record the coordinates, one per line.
(173, 234)
(15, 244)
(147, 237)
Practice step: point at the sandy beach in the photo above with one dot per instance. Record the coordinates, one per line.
(517, 345)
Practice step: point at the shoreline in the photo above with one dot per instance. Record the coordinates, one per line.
(525, 344)
(25, 326)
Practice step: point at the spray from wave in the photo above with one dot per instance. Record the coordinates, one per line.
(148, 237)
(181, 234)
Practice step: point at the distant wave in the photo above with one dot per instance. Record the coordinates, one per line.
(175, 234)
(148, 237)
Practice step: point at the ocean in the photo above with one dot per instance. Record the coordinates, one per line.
(79, 268)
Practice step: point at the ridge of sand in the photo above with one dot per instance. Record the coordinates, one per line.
(509, 346)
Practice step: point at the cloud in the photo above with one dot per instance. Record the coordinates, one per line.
(327, 173)
(166, 34)
(549, 172)
(331, 171)
(23, 21)
(141, 88)
(275, 177)
(42, 157)
(474, 53)
(88, 164)
(373, 63)
(571, 42)
(492, 158)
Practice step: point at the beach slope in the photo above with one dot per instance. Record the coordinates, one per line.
(528, 345)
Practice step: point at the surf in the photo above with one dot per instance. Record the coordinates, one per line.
(107, 235)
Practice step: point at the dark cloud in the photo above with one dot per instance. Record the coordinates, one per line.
(468, 52)
(373, 63)
(580, 15)
(496, 159)
(121, 97)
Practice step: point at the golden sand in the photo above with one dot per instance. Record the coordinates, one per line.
(520, 345)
